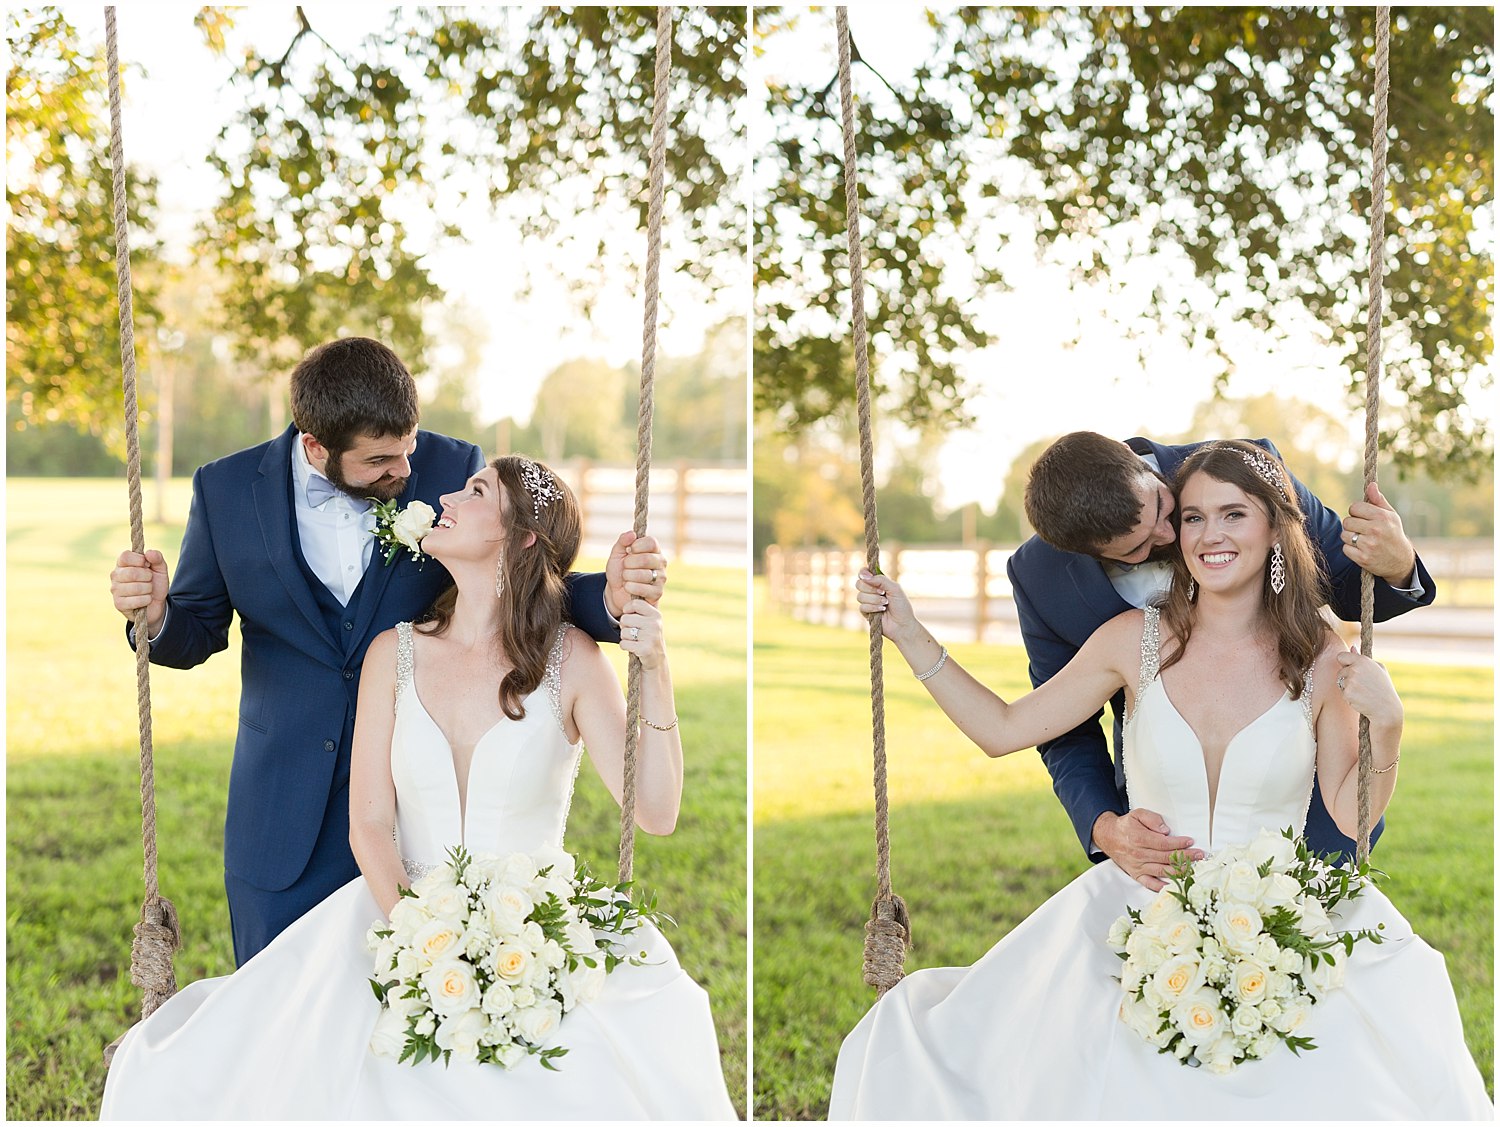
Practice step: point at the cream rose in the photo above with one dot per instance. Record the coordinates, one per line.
(536, 1023)
(1165, 909)
(451, 987)
(1249, 981)
(437, 940)
(412, 523)
(1199, 1016)
(1182, 935)
(511, 962)
(1177, 977)
(1238, 927)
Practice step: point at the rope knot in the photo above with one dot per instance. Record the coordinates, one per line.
(887, 937)
(157, 934)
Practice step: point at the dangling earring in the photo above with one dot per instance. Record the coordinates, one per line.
(1192, 589)
(1278, 569)
(500, 575)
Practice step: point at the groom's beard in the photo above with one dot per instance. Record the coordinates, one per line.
(1159, 553)
(386, 488)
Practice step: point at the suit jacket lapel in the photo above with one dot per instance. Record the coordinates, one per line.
(377, 575)
(271, 495)
(1095, 590)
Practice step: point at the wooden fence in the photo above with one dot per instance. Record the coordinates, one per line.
(699, 511)
(962, 594)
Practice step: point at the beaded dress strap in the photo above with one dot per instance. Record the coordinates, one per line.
(1307, 695)
(1150, 652)
(552, 678)
(404, 664)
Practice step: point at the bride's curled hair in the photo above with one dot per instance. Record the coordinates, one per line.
(540, 543)
(1295, 614)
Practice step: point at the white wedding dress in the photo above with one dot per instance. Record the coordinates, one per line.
(287, 1035)
(1031, 1031)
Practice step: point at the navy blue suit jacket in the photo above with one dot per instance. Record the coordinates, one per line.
(1063, 597)
(299, 683)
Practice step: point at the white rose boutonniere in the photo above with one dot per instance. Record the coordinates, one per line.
(403, 528)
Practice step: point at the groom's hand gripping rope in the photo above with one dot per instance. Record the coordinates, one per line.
(636, 569)
(141, 581)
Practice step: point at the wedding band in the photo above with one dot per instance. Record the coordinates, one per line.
(635, 633)
(1354, 540)
(653, 575)
(1341, 682)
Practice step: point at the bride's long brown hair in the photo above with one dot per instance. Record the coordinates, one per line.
(534, 600)
(1299, 628)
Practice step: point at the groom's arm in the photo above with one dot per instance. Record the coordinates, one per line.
(1326, 531)
(1083, 773)
(586, 609)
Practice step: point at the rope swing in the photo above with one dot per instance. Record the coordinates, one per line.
(647, 405)
(888, 934)
(1378, 145)
(157, 933)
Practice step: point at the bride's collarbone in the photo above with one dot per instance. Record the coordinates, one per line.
(460, 691)
(1219, 692)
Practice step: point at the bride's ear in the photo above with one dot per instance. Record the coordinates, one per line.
(530, 540)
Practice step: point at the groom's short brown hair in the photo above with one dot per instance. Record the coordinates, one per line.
(350, 388)
(1082, 492)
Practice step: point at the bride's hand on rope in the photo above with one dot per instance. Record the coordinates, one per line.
(641, 633)
(635, 569)
(141, 581)
(879, 594)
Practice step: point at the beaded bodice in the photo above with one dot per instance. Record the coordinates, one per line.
(1266, 778)
(521, 775)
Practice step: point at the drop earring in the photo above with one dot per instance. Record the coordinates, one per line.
(1192, 589)
(500, 575)
(1278, 569)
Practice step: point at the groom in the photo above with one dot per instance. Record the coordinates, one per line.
(280, 534)
(1102, 512)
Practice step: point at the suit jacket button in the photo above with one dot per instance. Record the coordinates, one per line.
(348, 626)
(348, 675)
(329, 745)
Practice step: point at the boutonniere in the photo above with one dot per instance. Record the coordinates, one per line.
(403, 528)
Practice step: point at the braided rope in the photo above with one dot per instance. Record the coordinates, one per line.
(889, 931)
(647, 406)
(157, 934)
(1379, 146)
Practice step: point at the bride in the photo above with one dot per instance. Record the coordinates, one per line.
(1237, 693)
(470, 730)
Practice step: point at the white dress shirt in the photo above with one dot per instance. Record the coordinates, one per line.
(336, 536)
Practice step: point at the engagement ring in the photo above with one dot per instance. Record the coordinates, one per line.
(635, 636)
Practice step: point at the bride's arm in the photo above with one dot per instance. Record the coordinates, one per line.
(1059, 705)
(591, 694)
(372, 791)
(1366, 689)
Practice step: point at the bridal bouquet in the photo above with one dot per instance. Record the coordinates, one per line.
(1231, 956)
(484, 955)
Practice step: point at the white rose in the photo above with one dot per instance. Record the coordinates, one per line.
(1145, 1021)
(1249, 979)
(511, 961)
(406, 916)
(1119, 931)
(450, 902)
(438, 940)
(1178, 976)
(1292, 1016)
(1165, 909)
(1289, 962)
(1266, 950)
(1219, 1055)
(536, 1023)
(507, 906)
(1280, 986)
(1263, 1044)
(532, 936)
(1238, 927)
(1324, 977)
(407, 965)
(1146, 946)
(412, 523)
(1200, 1017)
(553, 955)
(524, 996)
(1280, 890)
(432, 880)
(587, 982)
(1246, 1022)
(460, 1034)
(1269, 1010)
(499, 1000)
(1182, 935)
(516, 868)
(559, 861)
(1315, 921)
(451, 986)
(1199, 895)
(1242, 883)
(426, 1024)
(389, 1036)
(1270, 846)
(580, 938)
(1215, 970)
(509, 1056)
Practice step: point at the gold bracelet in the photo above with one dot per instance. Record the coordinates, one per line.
(660, 727)
(1374, 770)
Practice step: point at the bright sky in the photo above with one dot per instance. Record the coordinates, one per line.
(172, 116)
(1030, 383)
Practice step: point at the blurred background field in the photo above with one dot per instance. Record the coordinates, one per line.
(977, 844)
(73, 808)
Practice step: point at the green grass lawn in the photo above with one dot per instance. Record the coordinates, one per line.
(977, 844)
(73, 809)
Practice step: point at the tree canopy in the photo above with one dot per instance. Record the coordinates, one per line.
(1236, 140)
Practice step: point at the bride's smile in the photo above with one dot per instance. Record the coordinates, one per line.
(1226, 535)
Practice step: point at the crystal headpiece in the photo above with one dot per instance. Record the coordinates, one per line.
(1264, 465)
(540, 484)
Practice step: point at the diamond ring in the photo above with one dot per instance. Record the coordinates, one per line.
(635, 635)
(1341, 681)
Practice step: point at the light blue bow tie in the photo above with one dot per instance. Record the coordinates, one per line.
(320, 489)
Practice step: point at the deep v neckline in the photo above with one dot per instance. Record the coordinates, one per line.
(1213, 793)
(459, 791)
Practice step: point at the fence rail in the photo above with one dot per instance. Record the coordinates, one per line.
(699, 510)
(962, 593)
